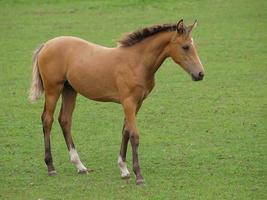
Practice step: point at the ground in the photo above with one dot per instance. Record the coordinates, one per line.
(199, 140)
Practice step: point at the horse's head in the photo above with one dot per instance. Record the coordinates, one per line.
(183, 51)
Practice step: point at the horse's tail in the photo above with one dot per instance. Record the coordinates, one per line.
(37, 84)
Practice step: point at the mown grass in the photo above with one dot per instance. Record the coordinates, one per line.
(204, 140)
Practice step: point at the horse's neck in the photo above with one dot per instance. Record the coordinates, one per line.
(153, 51)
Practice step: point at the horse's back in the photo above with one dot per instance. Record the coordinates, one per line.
(62, 47)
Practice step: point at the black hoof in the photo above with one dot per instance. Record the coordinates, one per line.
(85, 171)
(140, 181)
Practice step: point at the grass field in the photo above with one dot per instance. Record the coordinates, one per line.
(204, 140)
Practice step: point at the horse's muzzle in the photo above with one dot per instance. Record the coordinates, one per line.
(199, 77)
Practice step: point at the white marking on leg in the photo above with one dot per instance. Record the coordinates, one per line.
(75, 159)
(123, 168)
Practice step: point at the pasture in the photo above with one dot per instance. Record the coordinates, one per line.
(198, 140)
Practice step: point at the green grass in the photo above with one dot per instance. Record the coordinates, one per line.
(204, 140)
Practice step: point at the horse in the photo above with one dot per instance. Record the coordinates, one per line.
(125, 74)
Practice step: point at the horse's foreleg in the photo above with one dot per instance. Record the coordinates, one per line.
(130, 109)
(65, 120)
(47, 121)
(122, 157)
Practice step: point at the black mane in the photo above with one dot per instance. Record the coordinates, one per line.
(139, 35)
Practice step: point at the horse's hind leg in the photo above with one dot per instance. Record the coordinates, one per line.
(51, 97)
(65, 120)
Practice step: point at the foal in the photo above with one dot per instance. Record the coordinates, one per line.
(125, 74)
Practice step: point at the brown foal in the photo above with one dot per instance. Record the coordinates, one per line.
(125, 74)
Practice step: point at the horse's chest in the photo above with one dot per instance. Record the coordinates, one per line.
(148, 87)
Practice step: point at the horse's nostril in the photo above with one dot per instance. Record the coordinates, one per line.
(201, 74)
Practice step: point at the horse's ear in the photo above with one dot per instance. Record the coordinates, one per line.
(180, 27)
(191, 27)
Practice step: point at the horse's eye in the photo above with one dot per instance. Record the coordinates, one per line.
(186, 47)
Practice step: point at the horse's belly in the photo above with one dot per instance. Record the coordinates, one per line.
(104, 96)
(95, 85)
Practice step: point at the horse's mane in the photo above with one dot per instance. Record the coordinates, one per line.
(139, 35)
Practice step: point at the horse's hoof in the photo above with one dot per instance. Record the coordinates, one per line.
(52, 173)
(83, 171)
(140, 181)
(125, 176)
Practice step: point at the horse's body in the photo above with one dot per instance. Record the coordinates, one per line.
(96, 72)
(124, 74)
